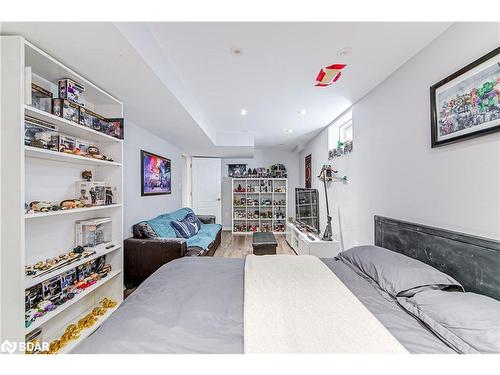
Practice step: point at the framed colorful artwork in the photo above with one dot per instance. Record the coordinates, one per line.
(307, 171)
(156, 174)
(467, 103)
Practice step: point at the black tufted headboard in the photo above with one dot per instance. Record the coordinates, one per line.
(473, 261)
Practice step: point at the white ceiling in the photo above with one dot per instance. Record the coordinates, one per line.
(180, 81)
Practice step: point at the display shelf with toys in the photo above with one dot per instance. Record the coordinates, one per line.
(43, 270)
(55, 123)
(259, 204)
(84, 325)
(40, 153)
(70, 211)
(70, 127)
(86, 291)
(90, 195)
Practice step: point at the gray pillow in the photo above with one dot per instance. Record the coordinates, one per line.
(396, 273)
(468, 322)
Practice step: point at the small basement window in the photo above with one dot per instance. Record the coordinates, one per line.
(340, 135)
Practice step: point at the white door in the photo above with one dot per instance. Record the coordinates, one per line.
(206, 187)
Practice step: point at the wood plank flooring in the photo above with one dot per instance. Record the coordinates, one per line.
(237, 246)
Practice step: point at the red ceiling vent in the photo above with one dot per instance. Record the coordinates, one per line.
(329, 75)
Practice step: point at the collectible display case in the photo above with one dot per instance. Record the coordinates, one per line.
(93, 233)
(66, 109)
(259, 204)
(307, 207)
(41, 99)
(40, 134)
(91, 193)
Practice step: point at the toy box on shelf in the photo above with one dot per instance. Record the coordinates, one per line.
(72, 91)
(91, 193)
(41, 99)
(93, 233)
(41, 134)
(66, 109)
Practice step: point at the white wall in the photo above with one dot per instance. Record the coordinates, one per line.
(263, 157)
(394, 172)
(139, 208)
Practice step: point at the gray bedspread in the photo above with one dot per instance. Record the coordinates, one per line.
(195, 305)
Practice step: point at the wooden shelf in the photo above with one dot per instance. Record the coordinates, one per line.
(31, 281)
(70, 127)
(85, 332)
(71, 211)
(51, 314)
(41, 153)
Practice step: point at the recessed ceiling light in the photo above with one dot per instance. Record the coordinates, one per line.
(243, 112)
(344, 51)
(302, 112)
(235, 51)
(289, 131)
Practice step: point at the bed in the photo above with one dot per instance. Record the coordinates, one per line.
(196, 305)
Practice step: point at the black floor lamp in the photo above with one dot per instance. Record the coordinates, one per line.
(327, 174)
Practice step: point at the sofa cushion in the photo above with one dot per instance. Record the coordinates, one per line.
(187, 227)
(144, 230)
(205, 236)
(161, 224)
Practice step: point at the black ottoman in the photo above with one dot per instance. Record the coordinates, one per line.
(264, 243)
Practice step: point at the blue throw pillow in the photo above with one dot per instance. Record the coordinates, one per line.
(187, 227)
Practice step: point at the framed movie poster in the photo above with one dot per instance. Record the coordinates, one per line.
(236, 170)
(156, 174)
(467, 103)
(307, 171)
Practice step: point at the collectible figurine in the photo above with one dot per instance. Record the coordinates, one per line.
(83, 197)
(93, 196)
(70, 204)
(87, 175)
(93, 152)
(41, 206)
(109, 195)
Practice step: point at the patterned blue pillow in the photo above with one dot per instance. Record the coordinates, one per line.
(187, 227)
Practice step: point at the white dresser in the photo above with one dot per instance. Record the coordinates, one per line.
(311, 245)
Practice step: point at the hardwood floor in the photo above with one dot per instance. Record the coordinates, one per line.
(237, 246)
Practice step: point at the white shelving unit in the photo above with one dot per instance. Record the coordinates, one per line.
(37, 215)
(59, 157)
(243, 224)
(30, 174)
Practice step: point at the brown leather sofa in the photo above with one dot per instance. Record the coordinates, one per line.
(143, 256)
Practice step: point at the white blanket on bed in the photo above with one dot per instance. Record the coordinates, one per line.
(296, 304)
